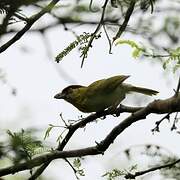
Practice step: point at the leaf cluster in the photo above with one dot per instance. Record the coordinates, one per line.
(174, 59)
(81, 41)
(115, 173)
(77, 166)
(23, 145)
(137, 50)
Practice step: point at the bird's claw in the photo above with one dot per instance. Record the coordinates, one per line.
(113, 110)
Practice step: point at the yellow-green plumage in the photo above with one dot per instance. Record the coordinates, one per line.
(101, 94)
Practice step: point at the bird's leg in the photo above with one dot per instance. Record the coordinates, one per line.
(113, 110)
(117, 110)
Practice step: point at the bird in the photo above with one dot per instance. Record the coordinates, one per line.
(101, 94)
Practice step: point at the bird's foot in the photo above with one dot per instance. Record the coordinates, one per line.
(113, 110)
(101, 113)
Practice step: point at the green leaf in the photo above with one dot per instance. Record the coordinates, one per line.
(137, 50)
(80, 40)
(111, 175)
(48, 131)
(77, 163)
(23, 145)
(77, 166)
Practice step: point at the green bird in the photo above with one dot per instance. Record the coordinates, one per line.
(101, 94)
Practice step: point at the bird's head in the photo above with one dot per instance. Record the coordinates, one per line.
(67, 93)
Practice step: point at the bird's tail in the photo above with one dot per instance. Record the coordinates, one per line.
(146, 91)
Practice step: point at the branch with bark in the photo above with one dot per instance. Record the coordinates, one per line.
(30, 21)
(140, 173)
(169, 105)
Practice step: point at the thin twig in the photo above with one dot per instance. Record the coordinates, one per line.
(90, 6)
(109, 40)
(95, 32)
(126, 19)
(39, 171)
(20, 16)
(178, 87)
(140, 173)
(74, 170)
(175, 122)
(156, 129)
(156, 55)
(61, 116)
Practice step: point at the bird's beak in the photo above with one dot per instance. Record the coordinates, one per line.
(125, 77)
(59, 96)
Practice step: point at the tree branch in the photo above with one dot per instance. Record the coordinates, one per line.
(126, 19)
(140, 173)
(158, 106)
(178, 87)
(30, 22)
(82, 123)
(95, 32)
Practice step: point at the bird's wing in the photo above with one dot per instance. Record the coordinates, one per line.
(105, 85)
